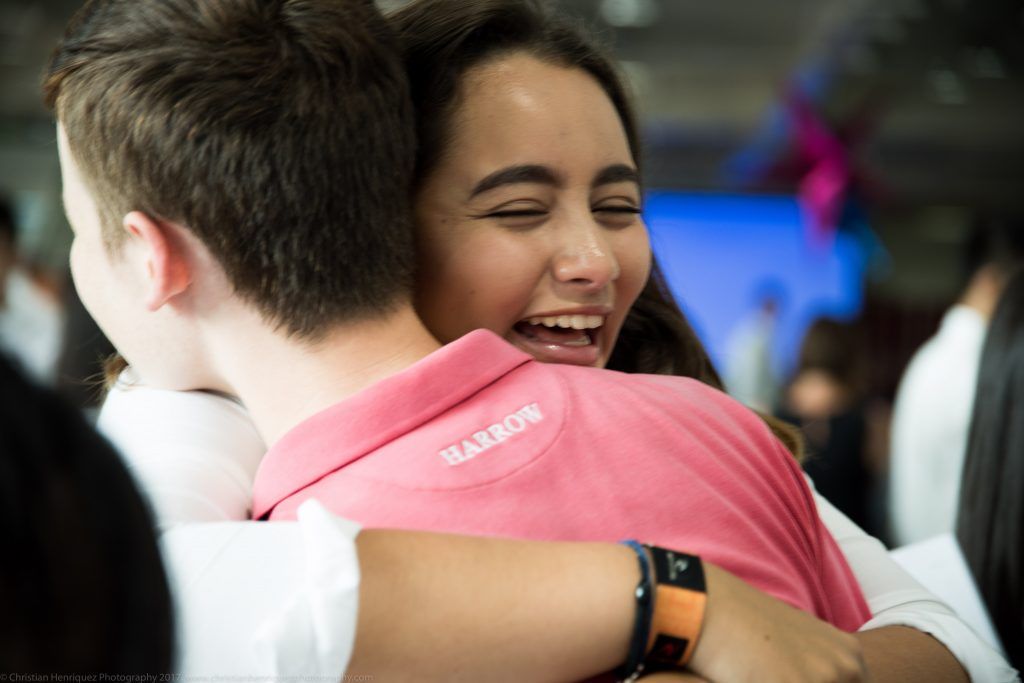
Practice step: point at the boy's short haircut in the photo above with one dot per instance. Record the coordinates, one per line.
(280, 132)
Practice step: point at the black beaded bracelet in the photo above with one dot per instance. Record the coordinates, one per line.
(634, 665)
(665, 641)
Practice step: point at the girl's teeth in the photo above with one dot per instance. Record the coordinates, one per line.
(575, 322)
(584, 340)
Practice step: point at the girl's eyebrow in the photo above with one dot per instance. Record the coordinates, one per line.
(525, 173)
(535, 173)
(617, 173)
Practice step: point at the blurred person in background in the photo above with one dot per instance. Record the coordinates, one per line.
(82, 587)
(30, 318)
(826, 399)
(751, 377)
(979, 569)
(990, 520)
(933, 404)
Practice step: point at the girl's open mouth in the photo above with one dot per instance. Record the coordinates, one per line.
(560, 339)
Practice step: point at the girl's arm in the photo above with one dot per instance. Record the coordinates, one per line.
(277, 599)
(437, 607)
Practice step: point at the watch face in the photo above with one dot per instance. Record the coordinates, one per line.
(677, 565)
(677, 569)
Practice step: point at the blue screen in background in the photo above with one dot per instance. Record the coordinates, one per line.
(718, 251)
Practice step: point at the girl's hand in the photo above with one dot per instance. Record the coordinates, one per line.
(750, 637)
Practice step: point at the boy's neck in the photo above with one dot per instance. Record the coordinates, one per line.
(282, 381)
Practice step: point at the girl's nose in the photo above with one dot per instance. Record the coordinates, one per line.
(586, 261)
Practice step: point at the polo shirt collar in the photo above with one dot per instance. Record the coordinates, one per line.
(360, 424)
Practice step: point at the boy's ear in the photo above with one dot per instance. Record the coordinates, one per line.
(164, 258)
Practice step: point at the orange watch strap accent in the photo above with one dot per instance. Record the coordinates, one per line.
(676, 625)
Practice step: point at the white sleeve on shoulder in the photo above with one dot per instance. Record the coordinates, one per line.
(194, 454)
(265, 600)
(897, 599)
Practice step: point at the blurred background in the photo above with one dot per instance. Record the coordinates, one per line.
(814, 166)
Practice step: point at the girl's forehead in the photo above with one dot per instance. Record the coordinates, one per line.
(520, 101)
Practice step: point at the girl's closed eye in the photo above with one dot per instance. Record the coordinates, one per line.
(617, 215)
(631, 210)
(516, 214)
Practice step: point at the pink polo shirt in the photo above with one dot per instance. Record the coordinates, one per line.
(479, 438)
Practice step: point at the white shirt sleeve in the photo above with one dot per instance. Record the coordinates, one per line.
(896, 599)
(940, 566)
(263, 601)
(193, 454)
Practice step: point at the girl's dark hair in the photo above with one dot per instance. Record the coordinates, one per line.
(656, 338)
(441, 41)
(82, 586)
(990, 522)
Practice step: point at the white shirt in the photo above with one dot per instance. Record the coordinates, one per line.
(265, 601)
(190, 489)
(31, 327)
(930, 422)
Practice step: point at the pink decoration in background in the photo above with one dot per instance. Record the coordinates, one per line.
(826, 183)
